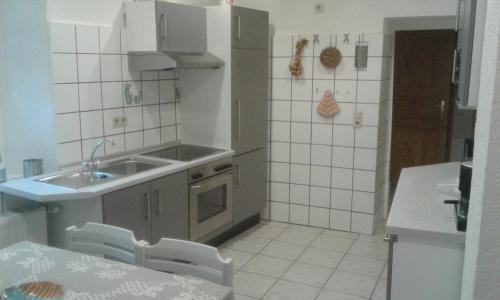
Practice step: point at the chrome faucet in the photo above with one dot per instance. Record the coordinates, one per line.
(93, 163)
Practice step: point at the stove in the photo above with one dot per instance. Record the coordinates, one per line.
(184, 152)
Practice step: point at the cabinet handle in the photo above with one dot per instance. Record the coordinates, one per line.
(238, 27)
(238, 117)
(163, 31)
(145, 206)
(158, 203)
(454, 69)
(125, 20)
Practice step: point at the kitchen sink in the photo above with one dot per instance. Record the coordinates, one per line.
(130, 166)
(106, 172)
(78, 180)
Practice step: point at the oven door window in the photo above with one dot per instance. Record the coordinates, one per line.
(212, 202)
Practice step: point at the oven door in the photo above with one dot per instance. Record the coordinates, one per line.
(210, 204)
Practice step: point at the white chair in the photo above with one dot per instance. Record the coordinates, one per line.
(108, 241)
(184, 257)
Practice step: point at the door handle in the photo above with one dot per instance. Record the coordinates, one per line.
(158, 202)
(238, 117)
(442, 107)
(145, 205)
(390, 239)
(163, 29)
(238, 27)
(454, 68)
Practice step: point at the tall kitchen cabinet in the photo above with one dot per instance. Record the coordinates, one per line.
(249, 67)
(152, 210)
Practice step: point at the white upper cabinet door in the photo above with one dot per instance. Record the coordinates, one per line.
(169, 27)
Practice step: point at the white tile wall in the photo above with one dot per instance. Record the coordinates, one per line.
(324, 167)
(90, 73)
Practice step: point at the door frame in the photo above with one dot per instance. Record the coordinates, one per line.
(391, 25)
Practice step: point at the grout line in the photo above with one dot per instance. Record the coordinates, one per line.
(290, 146)
(332, 195)
(79, 100)
(310, 145)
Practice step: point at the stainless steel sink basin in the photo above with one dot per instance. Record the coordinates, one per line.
(130, 166)
(106, 172)
(78, 180)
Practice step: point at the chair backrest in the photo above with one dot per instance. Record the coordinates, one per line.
(104, 240)
(185, 257)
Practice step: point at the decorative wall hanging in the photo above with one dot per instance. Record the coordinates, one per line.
(330, 57)
(328, 106)
(129, 98)
(361, 54)
(295, 66)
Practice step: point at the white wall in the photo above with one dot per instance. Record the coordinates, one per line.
(97, 12)
(481, 265)
(289, 16)
(25, 84)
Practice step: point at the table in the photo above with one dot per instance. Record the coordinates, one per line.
(90, 277)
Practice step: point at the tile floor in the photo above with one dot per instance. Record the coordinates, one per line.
(277, 261)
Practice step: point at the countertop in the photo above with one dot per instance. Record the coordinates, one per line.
(29, 188)
(418, 209)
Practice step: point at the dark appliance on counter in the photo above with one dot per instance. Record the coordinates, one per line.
(462, 205)
(464, 184)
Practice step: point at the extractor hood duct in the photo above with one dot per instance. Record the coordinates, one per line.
(164, 35)
(155, 61)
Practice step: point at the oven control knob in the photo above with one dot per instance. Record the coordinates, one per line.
(219, 168)
(196, 176)
(223, 167)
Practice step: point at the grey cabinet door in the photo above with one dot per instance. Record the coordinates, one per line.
(250, 28)
(170, 208)
(249, 184)
(181, 28)
(129, 208)
(249, 94)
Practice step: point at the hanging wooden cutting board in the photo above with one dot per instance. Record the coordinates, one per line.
(330, 57)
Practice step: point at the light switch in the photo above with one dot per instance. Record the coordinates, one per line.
(358, 119)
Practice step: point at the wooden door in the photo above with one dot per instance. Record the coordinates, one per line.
(422, 102)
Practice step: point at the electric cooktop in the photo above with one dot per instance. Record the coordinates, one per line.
(184, 152)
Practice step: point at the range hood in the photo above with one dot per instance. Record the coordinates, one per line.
(155, 61)
(163, 35)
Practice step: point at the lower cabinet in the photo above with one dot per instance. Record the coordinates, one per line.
(249, 184)
(152, 210)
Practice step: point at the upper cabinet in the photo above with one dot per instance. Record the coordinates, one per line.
(250, 28)
(153, 26)
(467, 61)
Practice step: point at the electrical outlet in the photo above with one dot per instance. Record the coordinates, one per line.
(318, 7)
(358, 119)
(120, 121)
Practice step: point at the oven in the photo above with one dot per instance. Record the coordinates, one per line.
(210, 199)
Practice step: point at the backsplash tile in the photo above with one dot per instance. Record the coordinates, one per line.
(92, 85)
(329, 171)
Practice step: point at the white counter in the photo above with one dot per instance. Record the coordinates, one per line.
(31, 189)
(418, 208)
